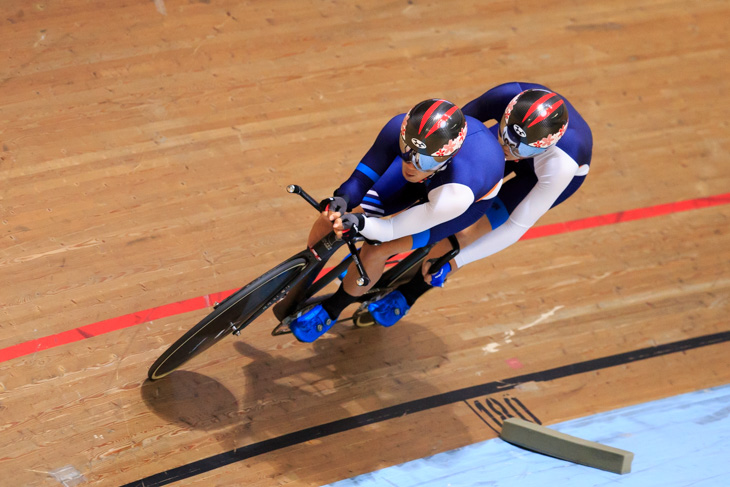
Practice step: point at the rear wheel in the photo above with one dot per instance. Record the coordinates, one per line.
(233, 314)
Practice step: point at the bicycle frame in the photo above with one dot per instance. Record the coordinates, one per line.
(303, 290)
(290, 286)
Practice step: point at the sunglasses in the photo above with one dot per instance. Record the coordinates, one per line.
(422, 162)
(519, 149)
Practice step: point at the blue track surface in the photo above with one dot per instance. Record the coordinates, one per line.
(677, 442)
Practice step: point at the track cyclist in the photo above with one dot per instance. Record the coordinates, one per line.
(429, 174)
(547, 146)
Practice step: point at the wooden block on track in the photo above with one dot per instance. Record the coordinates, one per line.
(559, 445)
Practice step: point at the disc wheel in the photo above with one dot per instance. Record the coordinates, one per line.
(233, 314)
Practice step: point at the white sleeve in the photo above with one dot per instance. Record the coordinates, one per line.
(555, 170)
(444, 203)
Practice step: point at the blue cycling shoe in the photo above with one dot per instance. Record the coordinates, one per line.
(311, 324)
(389, 309)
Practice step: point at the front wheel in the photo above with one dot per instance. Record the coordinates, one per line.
(233, 314)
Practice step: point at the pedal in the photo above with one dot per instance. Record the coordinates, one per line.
(282, 328)
(362, 317)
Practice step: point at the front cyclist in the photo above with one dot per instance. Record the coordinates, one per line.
(433, 171)
(548, 147)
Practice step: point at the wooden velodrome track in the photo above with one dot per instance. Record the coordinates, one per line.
(145, 150)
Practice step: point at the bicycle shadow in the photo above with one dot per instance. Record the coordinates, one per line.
(345, 374)
(294, 387)
(191, 400)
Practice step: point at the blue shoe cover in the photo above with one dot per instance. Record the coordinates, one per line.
(388, 310)
(311, 324)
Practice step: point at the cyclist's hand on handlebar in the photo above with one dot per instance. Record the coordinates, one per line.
(349, 225)
(438, 277)
(333, 208)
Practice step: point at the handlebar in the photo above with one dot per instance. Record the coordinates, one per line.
(293, 188)
(437, 264)
(363, 280)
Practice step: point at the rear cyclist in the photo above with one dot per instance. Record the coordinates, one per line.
(433, 170)
(547, 145)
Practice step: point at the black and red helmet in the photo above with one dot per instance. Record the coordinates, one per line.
(533, 121)
(435, 128)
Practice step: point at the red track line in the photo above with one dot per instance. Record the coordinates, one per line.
(113, 324)
(627, 216)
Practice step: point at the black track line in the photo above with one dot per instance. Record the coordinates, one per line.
(426, 403)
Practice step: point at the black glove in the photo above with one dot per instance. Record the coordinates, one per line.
(336, 204)
(352, 224)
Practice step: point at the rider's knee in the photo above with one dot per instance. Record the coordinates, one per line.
(371, 253)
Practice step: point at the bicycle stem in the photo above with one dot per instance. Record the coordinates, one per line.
(363, 280)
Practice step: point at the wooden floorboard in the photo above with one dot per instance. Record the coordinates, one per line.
(144, 151)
